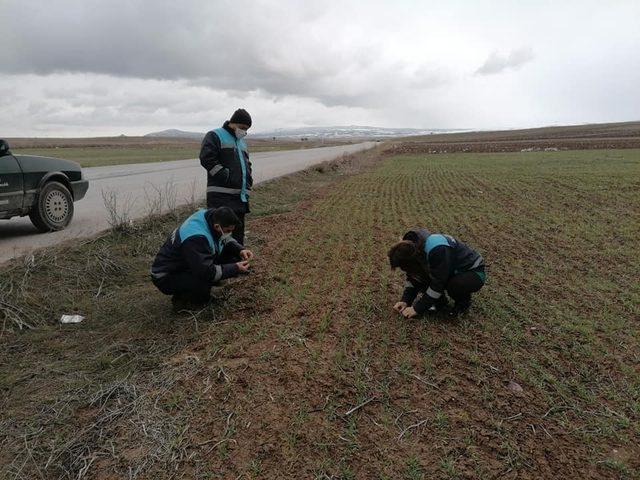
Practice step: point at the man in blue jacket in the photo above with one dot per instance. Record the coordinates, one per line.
(199, 254)
(225, 156)
(435, 263)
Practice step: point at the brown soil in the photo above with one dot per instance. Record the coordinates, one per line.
(579, 137)
(266, 398)
(305, 372)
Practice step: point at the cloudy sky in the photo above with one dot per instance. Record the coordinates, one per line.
(103, 67)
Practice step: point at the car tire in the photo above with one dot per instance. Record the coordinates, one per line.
(53, 209)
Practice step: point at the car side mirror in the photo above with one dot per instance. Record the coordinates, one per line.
(4, 148)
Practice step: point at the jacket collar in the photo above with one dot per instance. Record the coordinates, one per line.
(229, 129)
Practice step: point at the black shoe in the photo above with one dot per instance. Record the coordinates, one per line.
(438, 306)
(189, 302)
(459, 308)
(441, 303)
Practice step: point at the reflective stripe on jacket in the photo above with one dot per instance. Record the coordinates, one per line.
(226, 160)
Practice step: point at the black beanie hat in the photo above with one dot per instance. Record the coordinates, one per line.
(241, 116)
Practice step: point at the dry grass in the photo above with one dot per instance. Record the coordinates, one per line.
(303, 371)
(93, 152)
(68, 392)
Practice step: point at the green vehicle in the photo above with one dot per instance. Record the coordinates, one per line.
(43, 188)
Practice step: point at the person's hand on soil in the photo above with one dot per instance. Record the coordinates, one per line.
(399, 307)
(246, 254)
(409, 312)
(243, 267)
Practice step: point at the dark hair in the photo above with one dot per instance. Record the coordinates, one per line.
(403, 254)
(225, 217)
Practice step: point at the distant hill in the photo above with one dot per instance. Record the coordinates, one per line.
(352, 131)
(175, 133)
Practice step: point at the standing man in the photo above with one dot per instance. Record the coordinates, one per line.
(435, 263)
(225, 157)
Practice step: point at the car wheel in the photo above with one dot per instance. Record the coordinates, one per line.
(53, 209)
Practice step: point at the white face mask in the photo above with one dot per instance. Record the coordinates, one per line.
(240, 133)
(224, 236)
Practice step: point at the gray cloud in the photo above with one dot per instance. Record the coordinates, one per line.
(80, 67)
(498, 62)
(73, 103)
(279, 49)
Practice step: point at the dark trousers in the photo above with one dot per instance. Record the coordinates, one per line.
(234, 203)
(461, 286)
(238, 232)
(186, 284)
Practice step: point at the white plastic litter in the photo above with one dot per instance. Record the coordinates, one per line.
(71, 319)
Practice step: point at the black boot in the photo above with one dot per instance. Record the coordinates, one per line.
(441, 303)
(460, 307)
(189, 301)
(438, 306)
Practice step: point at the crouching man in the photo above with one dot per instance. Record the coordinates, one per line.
(199, 254)
(435, 263)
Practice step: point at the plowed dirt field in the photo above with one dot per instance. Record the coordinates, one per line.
(302, 369)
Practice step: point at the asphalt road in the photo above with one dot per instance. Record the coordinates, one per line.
(136, 189)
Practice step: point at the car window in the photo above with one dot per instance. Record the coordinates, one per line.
(4, 148)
